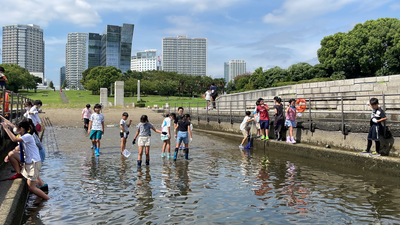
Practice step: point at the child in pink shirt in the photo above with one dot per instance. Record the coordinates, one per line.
(291, 120)
(86, 112)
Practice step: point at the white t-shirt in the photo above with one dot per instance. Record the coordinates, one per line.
(124, 125)
(35, 116)
(166, 123)
(208, 96)
(30, 148)
(96, 121)
(244, 124)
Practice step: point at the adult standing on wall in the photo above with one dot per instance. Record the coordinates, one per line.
(214, 94)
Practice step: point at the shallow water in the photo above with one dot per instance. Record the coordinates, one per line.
(220, 184)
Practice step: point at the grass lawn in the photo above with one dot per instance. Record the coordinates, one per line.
(78, 99)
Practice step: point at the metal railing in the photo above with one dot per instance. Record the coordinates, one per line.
(336, 109)
(12, 105)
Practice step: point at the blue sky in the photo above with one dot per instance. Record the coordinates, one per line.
(264, 33)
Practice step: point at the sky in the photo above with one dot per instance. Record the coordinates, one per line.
(264, 33)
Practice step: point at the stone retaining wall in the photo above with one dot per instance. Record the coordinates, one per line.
(376, 86)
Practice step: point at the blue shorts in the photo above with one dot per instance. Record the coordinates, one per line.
(42, 154)
(95, 134)
(264, 124)
(290, 123)
(182, 136)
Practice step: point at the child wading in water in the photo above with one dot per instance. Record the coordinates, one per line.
(86, 113)
(144, 133)
(124, 130)
(27, 146)
(291, 120)
(184, 132)
(279, 121)
(166, 138)
(245, 128)
(96, 128)
(377, 116)
(257, 118)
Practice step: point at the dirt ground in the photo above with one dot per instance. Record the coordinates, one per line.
(72, 117)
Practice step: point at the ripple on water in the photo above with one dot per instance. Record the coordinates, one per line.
(220, 184)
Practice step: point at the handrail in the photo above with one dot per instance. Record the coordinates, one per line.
(19, 104)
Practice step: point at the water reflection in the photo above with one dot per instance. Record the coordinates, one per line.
(221, 184)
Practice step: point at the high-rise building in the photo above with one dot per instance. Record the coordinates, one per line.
(75, 59)
(185, 55)
(94, 50)
(234, 68)
(112, 48)
(24, 45)
(226, 72)
(144, 61)
(62, 75)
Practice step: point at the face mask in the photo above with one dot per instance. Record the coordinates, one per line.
(26, 108)
(15, 130)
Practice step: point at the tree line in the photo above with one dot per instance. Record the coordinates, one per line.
(369, 49)
(19, 78)
(151, 82)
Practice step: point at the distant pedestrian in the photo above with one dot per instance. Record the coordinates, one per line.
(208, 98)
(291, 120)
(245, 128)
(124, 130)
(375, 131)
(3, 79)
(96, 128)
(30, 155)
(184, 132)
(214, 94)
(166, 138)
(278, 118)
(262, 109)
(86, 113)
(144, 133)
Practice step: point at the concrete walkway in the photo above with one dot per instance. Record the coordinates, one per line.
(64, 97)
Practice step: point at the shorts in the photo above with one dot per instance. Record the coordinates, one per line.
(290, 123)
(258, 125)
(183, 136)
(375, 132)
(264, 124)
(86, 121)
(144, 141)
(245, 132)
(95, 134)
(208, 100)
(124, 135)
(31, 170)
(164, 137)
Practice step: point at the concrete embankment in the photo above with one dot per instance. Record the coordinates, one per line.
(384, 164)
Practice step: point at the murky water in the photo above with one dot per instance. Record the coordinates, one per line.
(220, 185)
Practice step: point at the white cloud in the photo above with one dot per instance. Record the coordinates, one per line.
(43, 12)
(293, 11)
(184, 25)
(138, 5)
(395, 6)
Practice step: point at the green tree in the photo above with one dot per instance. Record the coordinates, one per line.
(17, 76)
(167, 87)
(300, 71)
(369, 49)
(51, 85)
(231, 86)
(130, 85)
(64, 84)
(101, 77)
(220, 83)
(147, 87)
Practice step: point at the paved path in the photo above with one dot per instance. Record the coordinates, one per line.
(64, 97)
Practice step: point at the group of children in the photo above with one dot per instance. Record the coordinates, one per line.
(261, 118)
(29, 154)
(94, 125)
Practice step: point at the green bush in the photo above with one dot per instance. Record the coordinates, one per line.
(140, 105)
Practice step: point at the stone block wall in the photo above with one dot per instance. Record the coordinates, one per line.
(375, 86)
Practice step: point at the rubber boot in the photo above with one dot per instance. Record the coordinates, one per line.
(97, 151)
(139, 163)
(187, 154)
(292, 141)
(276, 136)
(288, 140)
(176, 154)
(147, 162)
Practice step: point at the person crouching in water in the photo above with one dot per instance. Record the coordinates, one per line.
(31, 166)
(377, 116)
(279, 121)
(144, 134)
(291, 120)
(184, 132)
(166, 127)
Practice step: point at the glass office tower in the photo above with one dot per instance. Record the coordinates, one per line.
(94, 50)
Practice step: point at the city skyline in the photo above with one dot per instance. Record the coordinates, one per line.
(263, 33)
